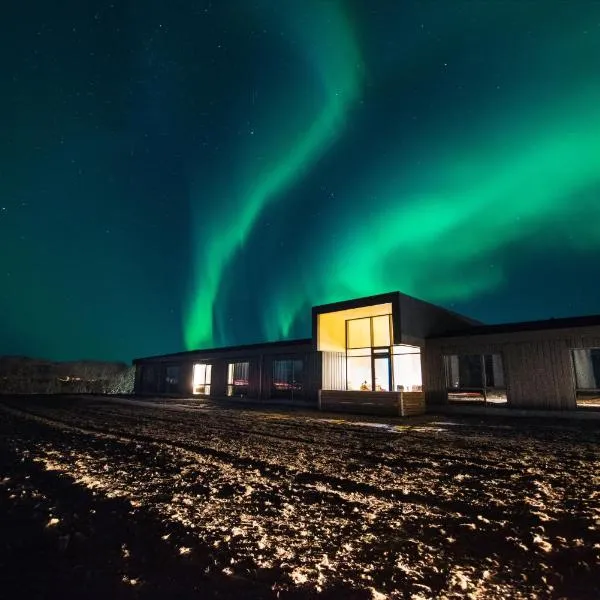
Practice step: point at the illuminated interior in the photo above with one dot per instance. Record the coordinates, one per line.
(373, 363)
(359, 374)
(201, 379)
(407, 369)
(331, 326)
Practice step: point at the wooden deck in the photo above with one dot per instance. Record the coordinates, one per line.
(401, 404)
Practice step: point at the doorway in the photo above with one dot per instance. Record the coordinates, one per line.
(382, 373)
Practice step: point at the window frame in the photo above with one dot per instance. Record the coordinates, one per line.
(205, 386)
(293, 391)
(237, 390)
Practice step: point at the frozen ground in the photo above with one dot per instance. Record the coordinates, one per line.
(187, 499)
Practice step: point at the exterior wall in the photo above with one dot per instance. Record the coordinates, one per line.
(538, 364)
(419, 320)
(334, 371)
(261, 359)
(401, 404)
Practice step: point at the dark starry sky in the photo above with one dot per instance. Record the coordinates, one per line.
(176, 175)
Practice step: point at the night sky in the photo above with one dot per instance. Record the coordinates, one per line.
(188, 173)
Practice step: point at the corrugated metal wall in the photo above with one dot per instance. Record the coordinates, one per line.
(334, 371)
(538, 364)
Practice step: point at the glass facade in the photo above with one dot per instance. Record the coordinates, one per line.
(359, 333)
(359, 374)
(381, 331)
(407, 369)
(374, 364)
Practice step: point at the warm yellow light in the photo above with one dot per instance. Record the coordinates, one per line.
(407, 369)
(331, 326)
(201, 378)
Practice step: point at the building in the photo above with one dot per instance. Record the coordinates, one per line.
(395, 354)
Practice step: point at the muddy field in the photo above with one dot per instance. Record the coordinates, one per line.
(185, 499)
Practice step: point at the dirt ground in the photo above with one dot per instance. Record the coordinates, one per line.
(188, 499)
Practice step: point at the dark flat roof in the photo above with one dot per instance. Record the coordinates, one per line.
(393, 297)
(356, 302)
(224, 349)
(560, 323)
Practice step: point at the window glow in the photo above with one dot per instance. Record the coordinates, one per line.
(381, 331)
(359, 333)
(407, 370)
(382, 374)
(201, 379)
(359, 375)
(331, 326)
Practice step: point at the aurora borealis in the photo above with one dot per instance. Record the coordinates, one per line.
(201, 173)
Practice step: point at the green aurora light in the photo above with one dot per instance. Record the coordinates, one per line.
(335, 58)
(434, 228)
(446, 246)
(202, 173)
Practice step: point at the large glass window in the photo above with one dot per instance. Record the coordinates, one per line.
(407, 369)
(238, 378)
(359, 333)
(381, 331)
(368, 343)
(586, 363)
(359, 372)
(464, 372)
(288, 378)
(201, 379)
(475, 377)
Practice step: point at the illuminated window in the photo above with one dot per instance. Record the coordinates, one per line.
(368, 342)
(359, 333)
(201, 379)
(238, 374)
(382, 372)
(359, 373)
(381, 331)
(407, 369)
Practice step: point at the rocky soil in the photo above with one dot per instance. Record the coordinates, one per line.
(115, 498)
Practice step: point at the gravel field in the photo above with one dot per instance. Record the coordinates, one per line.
(190, 499)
